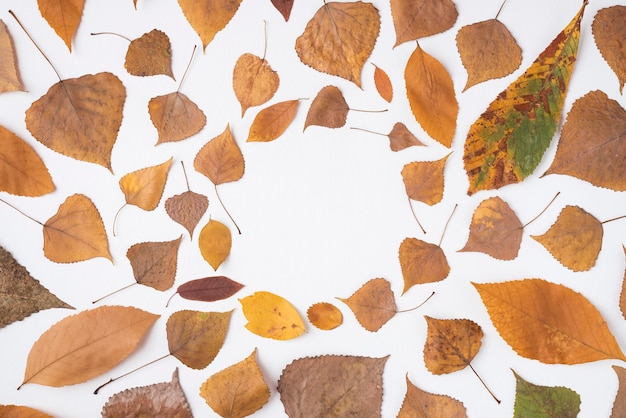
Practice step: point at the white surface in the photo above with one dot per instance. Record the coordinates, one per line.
(321, 211)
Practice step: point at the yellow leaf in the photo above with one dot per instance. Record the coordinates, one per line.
(144, 188)
(272, 316)
(207, 17)
(215, 242)
(63, 16)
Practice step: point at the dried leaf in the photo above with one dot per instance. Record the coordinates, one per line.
(609, 32)
(419, 403)
(431, 95)
(417, 19)
(63, 16)
(21, 295)
(373, 304)
(154, 263)
(592, 146)
(209, 289)
(9, 73)
(175, 117)
(333, 386)
(144, 188)
(451, 344)
(622, 296)
(195, 338)
(272, 316)
(271, 122)
(619, 404)
(495, 230)
(165, 399)
(207, 17)
(400, 138)
(488, 51)
(548, 322)
(19, 411)
(340, 38)
(383, 84)
(215, 242)
(421, 262)
(324, 316)
(238, 390)
(220, 159)
(544, 401)
(328, 109)
(76, 232)
(66, 354)
(574, 240)
(80, 117)
(22, 172)
(186, 209)
(150, 54)
(424, 180)
(284, 7)
(507, 142)
(254, 81)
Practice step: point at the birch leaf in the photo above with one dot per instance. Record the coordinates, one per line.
(207, 17)
(144, 187)
(451, 344)
(10, 79)
(272, 316)
(544, 401)
(421, 262)
(271, 122)
(373, 304)
(419, 403)
(154, 263)
(324, 316)
(63, 16)
(220, 159)
(609, 33)
(417, 19)
(424, 180)
(175, 116)
(150, 54)
(254, 81)
(328, 109)
(215, 242)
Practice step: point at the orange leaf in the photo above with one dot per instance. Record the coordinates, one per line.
(63, 16)
(423, 180)
(207, 17)
(373, 304)
(272, 316)
(80, 117)
(22, 172)
(419, 403)
(421, 262)
(325, 316)
(144, 188)
(220, 159)
(383, 84)
(83, 346)
(150, 54)
(609, 31)
(175, 117)
(339, 39)
(76, 232)
(271, 122)
(154, 263)
(238, 390)
(215, 242)
(18, 411)
(451, 344)
(415, 19)
(548, 322)
(328, 109)
(431, 96)
(9, 74)
(186, 209)
(254, 81)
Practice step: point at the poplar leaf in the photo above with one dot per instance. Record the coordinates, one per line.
(215, 241)
(421, 262)
(619, 404)
(419, 403)
(415, 19)
(284, 7)
(10, 79)
(324, 316)
(272, 316)
(175, 117)
(328, 109)
(254, 81)
(209, 289)
(150, 54)
(373, 304)
(67, 354)
(507, 142)
(609, 32)
(544, 401)
(154, 263)
(271, 122)
(220, 159)
(548, 322)
(63, 16)
(400, 137)
(451, 344)
(144, 187)
(383, 84)
(187, 209)
(207, 17)
(19, 411)
(424, 180)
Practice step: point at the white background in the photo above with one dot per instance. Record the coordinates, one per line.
(321, 211)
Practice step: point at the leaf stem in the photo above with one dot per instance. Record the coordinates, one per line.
(418, 306)
(499, 10)
(367, 130)
(113, 292)
(28, 216)
(185, 173)
(167, 304)
(264, 39)
(541, 213)
(368, 111)
(226, 210)
(415, 217)
(110, 33)
(446, 225)
(613, 219)
(483, 382)
(116, 215)
(186, 69)
(95, 392)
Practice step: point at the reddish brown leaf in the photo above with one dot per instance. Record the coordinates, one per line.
(451, 344)
(63, 16)
(328, 109)
(415, 19)
(421, 262)
(609, 33)
(424, 180)
(150, 54)
(187, 209)
(207, 17)
(175, 117)
(383, 84)
(254, 81)
(419, 403)
(10, 79)
(209, 289)
(271, 122)
(154, 263)
(325, 316)
(373, 304)
(284, 7)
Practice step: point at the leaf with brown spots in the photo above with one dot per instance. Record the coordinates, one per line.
(383, 84)
(324, 316)
(215, 242)
(10, 79)
(272, 316)
(609, 33)
(419, 403)
(254, 81)
(207, 17)
(421, 262)
(424, 180)
(373, 304)
(328, 109)
(414, 19)
(63, 16)
(271, 122)
(451, 344)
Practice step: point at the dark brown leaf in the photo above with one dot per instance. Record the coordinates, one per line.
(209, 289)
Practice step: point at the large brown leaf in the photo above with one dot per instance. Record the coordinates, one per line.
(207, 17)
(340, 38)
(63, 16)
(175, 117)
(144, 187)
(272, 316)
(80, 117)
(333, 386)
(424, 180)
(9, 73)
(373, 304)
(548, 322)
(154, 263)
(609, 33)
(220, 159)
(421, 262)
(215, 242)
(328, 109)
(85, 345)
(254, 81)
(150, 54)
(451, 344)
(271, 122)
(415, 19)
(419, 403)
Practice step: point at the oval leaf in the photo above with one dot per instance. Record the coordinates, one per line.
(154, 263)
(209, 289)
(271, 122)
(324, 316)
(19, 411)
(272, 316)
(383, 84)
(215, 241)
(254, 81)
(373, 304)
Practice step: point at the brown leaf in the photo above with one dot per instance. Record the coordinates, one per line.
(574, 240)
(215, 241)
(154, 263)
(424, 180)
(195, 338)
(451, 344)
(63, 16)
(431, 95)
(328, 109)
(619, 404)
(22, 172)
(85, 345)
(417, 19)
(9, 73)
(186, 209)
(271, 122)
(238, 390)
(383, 84)
(284, 7)
(325, 316)
(421, 262)
(400, 138)
(495, 230)
(488, 51)
(220, 159)
(592, 146)
(272, 316)
(165, 399)
(144, 187)
(548, 322)
(254, 81)
(175, 117)
(20, 294)
(76, 232)
(150, 54)
(609, 32)
(373, 304)
(209, 289)
(333, 386)
(19, 411)
(207, 17)
(622, 295)
(80, 117)
(419, 403)
(340, 38)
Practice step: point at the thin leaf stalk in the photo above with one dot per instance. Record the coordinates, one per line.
(113, 292)
(110, 33)
(541, 213)
(113, 379)
(368, 111)
(446, 225)
(15, 208)
(499, 10)
(115, 218)
(367, 130)
(418, 306)
(185, 174)
(193, 53)
(226, 210)
(484, 384)
(613, 219)
(415, 216)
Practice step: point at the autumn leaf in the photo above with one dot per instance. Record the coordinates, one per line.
(332, 386)
(284, 7)
(507, 142)
(21, 295)
(207, 17)
(215, 241)
(10, 79)
(328, 109)
(150, 54)
(208, 289)
(272, 316)
(544, 401)
(548, 322)
(63, 16)
(421, 262)
(175, 117)
(419, 403)
(417, 19)
(592, 146)
(80, 117)
(271, 122)
(622, 295)
(66, 354)
(154, 263)
(424, 180)
(254, 81)
(373, 304)
(451, 344)
(574, 240)
(187, 208)
(399, 137)
(144, 187)
(620, 399)
(324, 316)
(238, 390)
(609, 32)
(383, 83)
(159, 399)
(19, 411)
(22, 172)
(431, 95)
(340, 38)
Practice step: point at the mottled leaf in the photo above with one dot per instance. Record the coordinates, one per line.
(207, 17)
(10, 79)
(421, 404)
(154, 263)
(373, 304)
(215, 242)
(324, 316)
(415, 19)
(421, 262)
(254, 81)
(271, 122)
(609, 33)
(451, 344)
(328, 109)
(544, 401)
(424, 180)
(272, 316)
(150, 54)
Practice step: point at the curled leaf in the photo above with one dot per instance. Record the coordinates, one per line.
(272, 316)
(373, 304)
(324, 316)
(215, 241)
